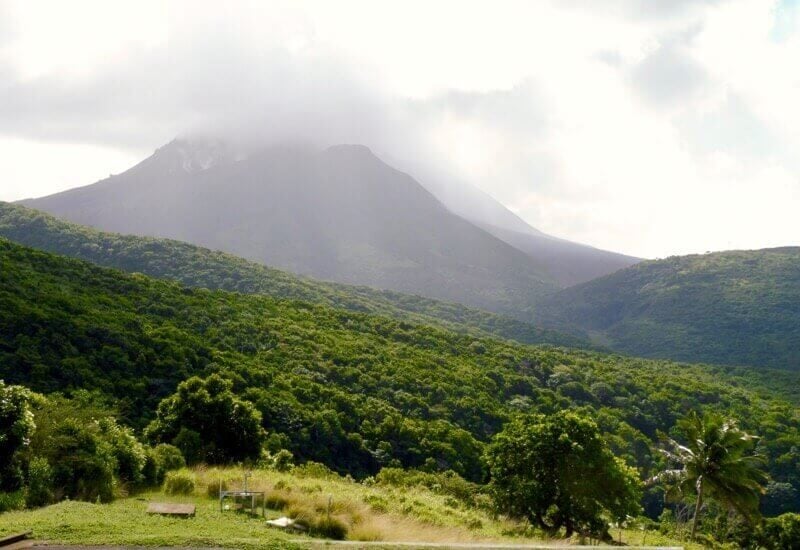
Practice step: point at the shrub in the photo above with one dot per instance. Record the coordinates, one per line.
(782, 532)
(16, 428)
(169, 457)
(315, 470)
(151, 472)
(40, 483)
(83, 463)
(129, 454)
(283, 460)
(12, 501)
(179, 482)
(447, 483)
(329, 527)
(159, 460)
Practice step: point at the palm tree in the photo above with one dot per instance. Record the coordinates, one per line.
(716, 464)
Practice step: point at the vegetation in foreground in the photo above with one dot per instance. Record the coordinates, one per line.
(394, 506)
(346, 379)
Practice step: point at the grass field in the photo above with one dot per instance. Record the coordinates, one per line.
(369, 513)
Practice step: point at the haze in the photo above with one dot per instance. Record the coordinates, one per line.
(648, 128)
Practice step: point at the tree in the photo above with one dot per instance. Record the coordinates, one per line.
(16, 428)
(715, 463)
(207, 422)
(557, 471)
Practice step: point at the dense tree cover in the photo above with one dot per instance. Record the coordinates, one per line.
(732, 308)
(556, 471)
(716, 463)
(208, 423)
(201, 267)
(780, 533)
(354, 391)
(75, 448)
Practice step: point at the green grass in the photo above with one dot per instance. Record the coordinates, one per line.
(370, 512)
(125, 522)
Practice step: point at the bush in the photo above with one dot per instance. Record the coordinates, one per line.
(130, 455)
(283, 460)
(40, 483)
(16, 428)
(447, 483)
(151, 471)
(782, 532)
(169, 457)
(315, 470)
(83, 464)
(160, 460)
(329, 527)
(179, 482)
(12, 501)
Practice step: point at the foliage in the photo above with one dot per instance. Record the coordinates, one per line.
(179, 482)
(14, 500)
(443, 483)
(371, 512)
(229, 427)
(169, 457)
(129, 454)
(354, 391)
(39, 483)
(200, 267)
(87, 450)
(715, 463)
(83, 463)
(556, 471)
(780, 533)
(16, 428)
(732, 308)
(283, 460)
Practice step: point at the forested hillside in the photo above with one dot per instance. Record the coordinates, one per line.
(201, 267)
(352, 390)
(339, 214)
(735, 308)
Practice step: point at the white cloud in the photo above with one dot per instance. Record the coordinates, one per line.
(651, 128)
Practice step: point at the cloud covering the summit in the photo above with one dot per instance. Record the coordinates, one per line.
(650, 128)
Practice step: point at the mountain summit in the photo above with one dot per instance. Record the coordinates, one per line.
(339, 214)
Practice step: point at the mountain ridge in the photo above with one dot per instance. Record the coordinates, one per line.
(199, 267)
(339, 214)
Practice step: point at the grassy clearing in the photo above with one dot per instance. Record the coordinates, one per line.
(368, 513)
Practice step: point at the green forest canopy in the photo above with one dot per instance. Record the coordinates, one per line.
(735, 308)
(353, 390)
(196, 266)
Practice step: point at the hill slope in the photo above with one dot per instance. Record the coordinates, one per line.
(339, 214)
(200, 267)
(351, 390)
(566, 262)
(736, 308)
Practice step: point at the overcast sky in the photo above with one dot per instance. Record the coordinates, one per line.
(646, 127)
